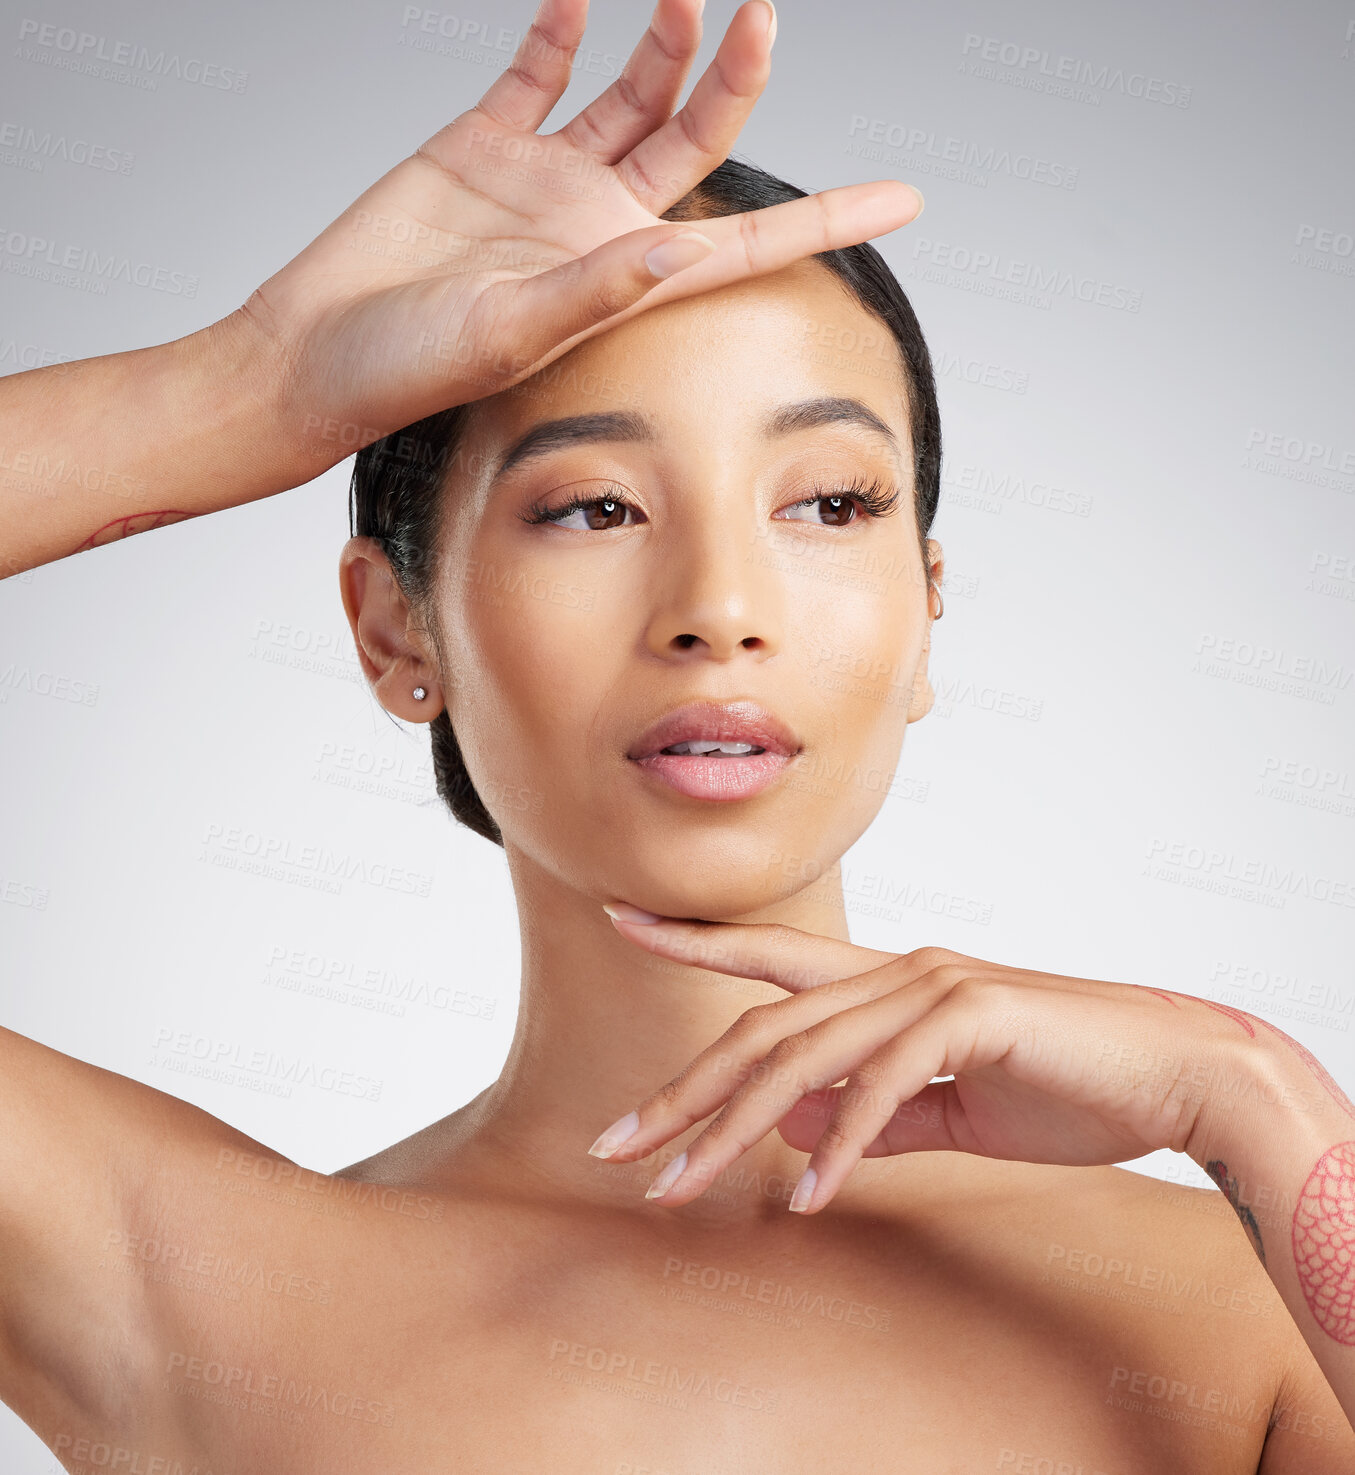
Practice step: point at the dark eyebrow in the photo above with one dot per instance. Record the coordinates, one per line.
(629, 425)
(573, 430)
(809, 413)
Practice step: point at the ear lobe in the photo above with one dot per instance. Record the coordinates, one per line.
(392, 658)
(923, 697)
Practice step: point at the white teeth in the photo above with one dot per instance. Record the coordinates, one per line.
(701, 745)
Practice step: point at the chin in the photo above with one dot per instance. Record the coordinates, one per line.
(714, 891)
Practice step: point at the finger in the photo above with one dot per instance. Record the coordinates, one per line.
(922, 1124)
(643, 96)
(552, 311)
(947, 1040)
(758, 241)
(754, 242)
(540, 313)
(664, 165)
(786, 956)
(743, 1053)
(808, 1060)
(535, 80)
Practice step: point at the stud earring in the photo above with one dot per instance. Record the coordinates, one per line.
(419, 693)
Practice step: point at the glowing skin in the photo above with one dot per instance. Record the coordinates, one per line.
(467, 1328)
(718, 586)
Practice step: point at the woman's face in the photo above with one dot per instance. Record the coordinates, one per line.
(705, 574)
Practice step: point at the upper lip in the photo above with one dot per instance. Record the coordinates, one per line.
(724, 722)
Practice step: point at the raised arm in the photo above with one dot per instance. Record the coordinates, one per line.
(487, 253)
(104, 447)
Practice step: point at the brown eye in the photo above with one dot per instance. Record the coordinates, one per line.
(583, 514)
(603, 514)
(841, 510)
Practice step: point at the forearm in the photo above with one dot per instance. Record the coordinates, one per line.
(1281, 1146)
(94, 450)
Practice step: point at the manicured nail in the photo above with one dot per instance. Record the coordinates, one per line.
(771, 24)
(620, 1131)
(677, 253)
(804, 1191)
(624, 912)
(668, 1177)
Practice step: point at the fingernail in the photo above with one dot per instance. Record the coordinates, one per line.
(668, 1177)
(677, 252)
(921, 203)
(621, 1130)
(804, 1191)
(771, 24)
(624, 912)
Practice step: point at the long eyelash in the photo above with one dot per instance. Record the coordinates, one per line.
(539, 512)
(872, 495)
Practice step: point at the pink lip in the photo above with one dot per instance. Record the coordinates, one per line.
(713, 776)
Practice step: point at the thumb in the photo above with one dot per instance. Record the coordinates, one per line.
(577, 295)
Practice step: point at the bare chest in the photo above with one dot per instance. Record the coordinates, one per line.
(519, 1343)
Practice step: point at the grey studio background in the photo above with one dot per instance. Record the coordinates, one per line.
(1136, 273)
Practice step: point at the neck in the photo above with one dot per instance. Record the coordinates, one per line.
(602, 1024)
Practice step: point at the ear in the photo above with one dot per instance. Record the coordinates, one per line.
(396, 655)
(922, 694)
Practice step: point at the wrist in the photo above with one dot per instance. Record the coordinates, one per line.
(241, 378)
(1262, 1104)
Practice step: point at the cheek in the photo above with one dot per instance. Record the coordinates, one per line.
(858, 628)
(527, 676)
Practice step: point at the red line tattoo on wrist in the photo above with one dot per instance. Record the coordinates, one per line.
(1248, 1022)
(1323, 1241)
(1317, 1068)
(1232, 1013)
(134, 522)
(1172, 996)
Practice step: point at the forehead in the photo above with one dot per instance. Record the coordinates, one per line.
(717, 365)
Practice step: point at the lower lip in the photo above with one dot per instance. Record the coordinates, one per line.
(701, 776)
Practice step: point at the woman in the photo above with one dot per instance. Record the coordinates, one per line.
(658, 514)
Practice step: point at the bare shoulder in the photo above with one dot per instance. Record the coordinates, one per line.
(1174, 1252)
(1202, 1331)
(90, 1164)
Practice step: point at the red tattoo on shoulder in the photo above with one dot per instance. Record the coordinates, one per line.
(135, 522)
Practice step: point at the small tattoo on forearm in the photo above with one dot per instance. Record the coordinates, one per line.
(1218, 1171)
(136, 522)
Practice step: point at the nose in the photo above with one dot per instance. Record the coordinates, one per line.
(712, 597)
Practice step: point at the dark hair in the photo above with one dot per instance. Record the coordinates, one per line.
(394, 496)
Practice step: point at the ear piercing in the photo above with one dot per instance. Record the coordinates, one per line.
(419, 693)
